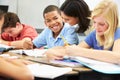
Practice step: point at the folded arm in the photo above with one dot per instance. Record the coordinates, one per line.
(16, 44)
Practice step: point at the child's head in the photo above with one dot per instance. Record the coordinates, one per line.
(53, 18)
(105, 21)
(76, 12)
(11, 24)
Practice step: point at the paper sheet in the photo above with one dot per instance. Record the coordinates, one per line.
(34, 52)
(47, 71)
(6, 46)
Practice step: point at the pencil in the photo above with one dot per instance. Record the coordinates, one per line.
(64, 40)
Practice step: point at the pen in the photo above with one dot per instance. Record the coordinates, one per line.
(64, 40)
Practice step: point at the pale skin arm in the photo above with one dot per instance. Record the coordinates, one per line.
(28, 44)
(16, 44)
(84, 50)
(102, 55)
(15, 69)
(55, 53)
(84, 45)
(60, 51)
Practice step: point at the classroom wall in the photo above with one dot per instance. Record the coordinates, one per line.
(30, 11)
(12, 4)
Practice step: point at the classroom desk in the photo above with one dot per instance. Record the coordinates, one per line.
(93, 75)
(87, 74)
(73, 75)
(79, 73)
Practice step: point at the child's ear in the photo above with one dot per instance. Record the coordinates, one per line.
(17, 24)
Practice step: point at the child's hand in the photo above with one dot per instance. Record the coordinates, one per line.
(56, 53)
(27, 44)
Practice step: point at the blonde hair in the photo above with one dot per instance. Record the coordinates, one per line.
(107, 9)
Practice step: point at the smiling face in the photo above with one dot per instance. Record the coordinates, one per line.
(70, 20)
(54, 21)
(100, 25)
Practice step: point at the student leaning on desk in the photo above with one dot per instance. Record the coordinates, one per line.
(14, 69)
(13, 32)
(56, 32)
(105, 39)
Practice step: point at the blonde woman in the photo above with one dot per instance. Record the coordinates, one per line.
(104, 40)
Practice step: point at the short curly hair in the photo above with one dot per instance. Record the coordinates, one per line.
(10, 20)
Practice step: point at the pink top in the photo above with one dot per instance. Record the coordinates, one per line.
(27, 32)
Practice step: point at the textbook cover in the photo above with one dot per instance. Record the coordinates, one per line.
(99, 66)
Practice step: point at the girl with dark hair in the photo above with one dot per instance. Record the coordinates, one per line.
(76, 12)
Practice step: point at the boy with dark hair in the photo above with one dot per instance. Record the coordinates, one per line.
(15, 33)
(55, 31)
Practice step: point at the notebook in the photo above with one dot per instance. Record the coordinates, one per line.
(103, 67)
(47, 71)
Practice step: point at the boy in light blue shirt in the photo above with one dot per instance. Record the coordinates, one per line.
(51, 35)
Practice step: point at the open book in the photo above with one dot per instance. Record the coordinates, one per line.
(47, 71)
(32, 52)
(42, 70)
(99, 66)
(4, 48)
(66, 62)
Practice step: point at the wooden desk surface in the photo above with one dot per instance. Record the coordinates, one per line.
(41, 60)
(79, 73)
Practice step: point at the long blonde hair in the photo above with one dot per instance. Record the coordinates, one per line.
(108, 9)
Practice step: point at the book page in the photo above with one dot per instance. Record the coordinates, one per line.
(34, 52)
(6, 46)
(47, 71)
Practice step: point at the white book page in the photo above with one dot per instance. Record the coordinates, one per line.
(47, 71)
(34, 52)
(5, 46)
